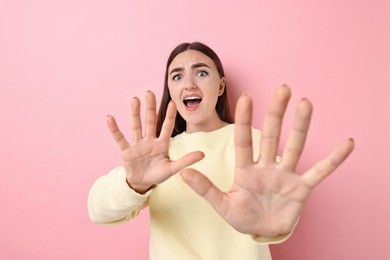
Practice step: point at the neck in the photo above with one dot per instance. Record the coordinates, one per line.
(193, 128)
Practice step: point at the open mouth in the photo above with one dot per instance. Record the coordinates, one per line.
(192, 101)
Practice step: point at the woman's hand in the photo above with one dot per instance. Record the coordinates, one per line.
(267, 197)
(146, 159)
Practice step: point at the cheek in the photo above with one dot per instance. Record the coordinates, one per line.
(214, 92)
(174, 94)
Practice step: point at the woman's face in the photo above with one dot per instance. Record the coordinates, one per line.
(194, 85)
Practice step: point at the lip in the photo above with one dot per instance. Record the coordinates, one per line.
(190, 95)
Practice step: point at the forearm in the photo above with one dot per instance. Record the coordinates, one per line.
(111, 200)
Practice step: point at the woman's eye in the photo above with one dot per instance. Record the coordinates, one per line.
(202, 73)
(176, 77)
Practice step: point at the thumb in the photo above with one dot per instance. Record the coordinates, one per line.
(204, 187)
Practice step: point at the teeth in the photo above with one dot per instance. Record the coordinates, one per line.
(192, 98)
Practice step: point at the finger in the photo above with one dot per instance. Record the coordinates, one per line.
(205, 188)
(272, 125)
(186, 161)
(136, 126)
(116, 133)
(150, 117)
(169, 121)
(297, 137)
(243, 131)
(325, 167)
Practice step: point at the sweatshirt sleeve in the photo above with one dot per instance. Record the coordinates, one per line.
(112, 201)
(263, 240)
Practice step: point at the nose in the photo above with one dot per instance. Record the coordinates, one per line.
(189, 83)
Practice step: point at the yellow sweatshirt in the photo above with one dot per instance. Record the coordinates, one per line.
(183, 225)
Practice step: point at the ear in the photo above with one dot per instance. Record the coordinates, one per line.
(222, 86)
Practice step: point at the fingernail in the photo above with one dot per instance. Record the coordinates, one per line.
(305, 100)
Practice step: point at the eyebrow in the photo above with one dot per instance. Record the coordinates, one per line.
(193, 66)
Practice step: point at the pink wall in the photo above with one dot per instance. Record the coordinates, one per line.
(64, 65)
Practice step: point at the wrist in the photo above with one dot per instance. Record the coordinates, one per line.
(141, 189)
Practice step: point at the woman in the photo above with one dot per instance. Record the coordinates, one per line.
(237, 197)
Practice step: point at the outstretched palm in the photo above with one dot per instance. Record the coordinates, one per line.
(146, 159)
(267, 197)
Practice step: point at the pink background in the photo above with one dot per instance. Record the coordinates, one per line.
(65, 65)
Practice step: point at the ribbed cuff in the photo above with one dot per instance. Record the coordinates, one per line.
(127, 195)
(264, 240)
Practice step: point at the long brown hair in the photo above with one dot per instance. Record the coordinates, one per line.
(222, 106)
